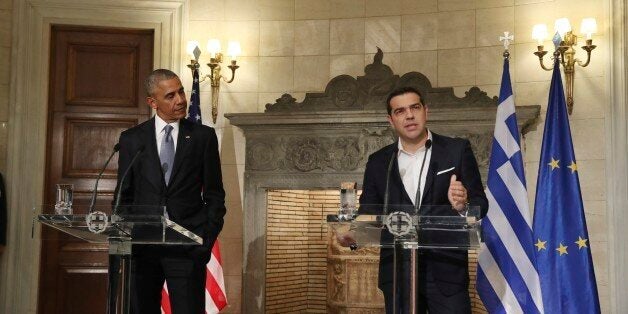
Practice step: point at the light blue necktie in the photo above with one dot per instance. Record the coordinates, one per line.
(166, 155)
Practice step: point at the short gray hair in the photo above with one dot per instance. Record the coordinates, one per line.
(155, 77)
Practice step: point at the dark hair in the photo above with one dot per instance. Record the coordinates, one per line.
(400, 91)
(155, 77)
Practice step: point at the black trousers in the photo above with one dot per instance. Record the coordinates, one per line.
(429, 299)
(186, 284)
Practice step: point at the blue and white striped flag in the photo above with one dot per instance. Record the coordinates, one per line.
(507, 277)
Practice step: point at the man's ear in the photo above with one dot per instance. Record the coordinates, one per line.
(390, 121)
(151, 102)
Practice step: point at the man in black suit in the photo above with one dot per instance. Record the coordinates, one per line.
(178, 167)
(451, 178)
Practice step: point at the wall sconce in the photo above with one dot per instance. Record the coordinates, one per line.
(215, 59)
(565, 50)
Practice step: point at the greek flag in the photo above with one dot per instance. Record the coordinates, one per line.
(507, 277)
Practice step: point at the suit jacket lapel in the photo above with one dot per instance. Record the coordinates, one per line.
(397, 181)
(183, 144)
(155, 174)
(438, 153)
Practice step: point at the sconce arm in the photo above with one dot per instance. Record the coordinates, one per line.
(588, 48)
(233, 68)
(541, 53)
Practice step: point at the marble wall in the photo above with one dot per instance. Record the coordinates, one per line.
(297, 46)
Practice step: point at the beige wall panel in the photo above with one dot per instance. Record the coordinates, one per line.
(242, 10)
(276, 38)
(455, 5)
(419, 32)
(592, 174)
(346, 36)
(347, 8)
(383, 32)
(207, 10)
(480, 4)
(490, 24)
(238, 102)
(276, 10)
(424, 62)
(311, 37)
(588, 138)
(456, 29)
(590, 98)
(346, 64)
(246, 32)
(527, 65)
(488, 70)
(419, 6)
(276, 74)
(311, 73)
(202, 31)
(456, 67)
(528, 15)
(308, 9)
(383, 8)
(246, 77)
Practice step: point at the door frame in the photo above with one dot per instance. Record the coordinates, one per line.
(26, 151)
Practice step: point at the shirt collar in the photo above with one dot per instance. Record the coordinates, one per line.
(160, 124)
(421, 149)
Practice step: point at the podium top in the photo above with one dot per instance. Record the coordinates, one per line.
(440, 228)
(99, 227)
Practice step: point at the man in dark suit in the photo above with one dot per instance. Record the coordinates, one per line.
(178, 167)
(451, 178)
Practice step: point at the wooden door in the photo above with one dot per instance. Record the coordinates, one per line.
(95, 92)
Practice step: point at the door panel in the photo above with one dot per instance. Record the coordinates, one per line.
(96, 92)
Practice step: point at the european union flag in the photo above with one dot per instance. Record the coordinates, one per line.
(194, 112)
(560, 231)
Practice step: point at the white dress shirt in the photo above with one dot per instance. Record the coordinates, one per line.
(410, 166)
(160, 132)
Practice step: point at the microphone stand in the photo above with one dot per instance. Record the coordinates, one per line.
(92, 203)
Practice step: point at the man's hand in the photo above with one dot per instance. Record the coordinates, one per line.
(457, 194)
(345, 239)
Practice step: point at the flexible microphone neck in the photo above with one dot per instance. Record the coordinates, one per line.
(417, 199)
(390, 166)
(121, 186)
(92, 203)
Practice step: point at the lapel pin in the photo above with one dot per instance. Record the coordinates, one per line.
(187, 136)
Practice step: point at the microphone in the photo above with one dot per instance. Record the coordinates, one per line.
(390, 166)
(417, 200)
(126, 172)
(116, 148)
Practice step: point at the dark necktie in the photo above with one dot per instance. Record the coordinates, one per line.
(166, 155)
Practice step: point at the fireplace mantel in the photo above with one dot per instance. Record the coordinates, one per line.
(327, 138)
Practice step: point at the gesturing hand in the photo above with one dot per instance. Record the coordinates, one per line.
(457, 194)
